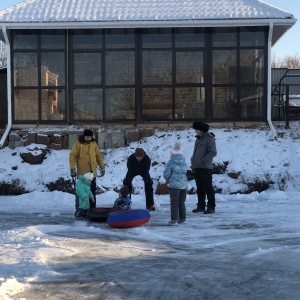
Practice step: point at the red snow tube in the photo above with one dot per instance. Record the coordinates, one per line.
(128, 218)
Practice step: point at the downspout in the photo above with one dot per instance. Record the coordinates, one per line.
(269, 100)
(9, 115)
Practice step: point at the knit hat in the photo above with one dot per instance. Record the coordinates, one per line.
(176, 149)
(87, 132)
(124, 191)
(139, 152)
(201, 126)
(89, 176)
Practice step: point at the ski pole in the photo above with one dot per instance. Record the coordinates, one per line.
(164, 189)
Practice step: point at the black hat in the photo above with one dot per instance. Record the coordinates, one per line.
(87, 132)
(201, 126)
(124, 191)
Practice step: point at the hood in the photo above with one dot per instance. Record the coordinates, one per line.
(83, 179)
(178, 158)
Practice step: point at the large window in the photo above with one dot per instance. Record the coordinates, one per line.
(39, 68)
(119, 68)
(88, 104)
(120, 103)
(87, 68)
(157, 67)
(161, 74)
(238, 73)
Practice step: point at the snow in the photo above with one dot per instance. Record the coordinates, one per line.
(249, 249)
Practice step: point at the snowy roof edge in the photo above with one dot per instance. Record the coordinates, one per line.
(157, 23)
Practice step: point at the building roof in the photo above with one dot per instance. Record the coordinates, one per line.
(145, 13)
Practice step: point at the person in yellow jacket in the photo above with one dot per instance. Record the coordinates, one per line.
(84, 157)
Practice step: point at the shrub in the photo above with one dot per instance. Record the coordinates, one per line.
(12, 189)
(62, 185)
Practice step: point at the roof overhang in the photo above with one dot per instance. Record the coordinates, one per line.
(280, 25)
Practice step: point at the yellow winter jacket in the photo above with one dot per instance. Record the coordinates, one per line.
(85, 157)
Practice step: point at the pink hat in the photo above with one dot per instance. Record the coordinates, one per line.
(176, 149)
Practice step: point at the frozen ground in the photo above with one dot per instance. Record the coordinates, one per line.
(249, 249)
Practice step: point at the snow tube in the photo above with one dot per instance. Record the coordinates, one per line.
(100, 214)
(128, 218)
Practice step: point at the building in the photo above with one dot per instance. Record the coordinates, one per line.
(137, 61)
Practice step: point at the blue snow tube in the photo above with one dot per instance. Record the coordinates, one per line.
(128, 218)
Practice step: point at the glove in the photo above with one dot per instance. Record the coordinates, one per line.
(102, 172)
(73, 173)
(86, 198)
(93, 200)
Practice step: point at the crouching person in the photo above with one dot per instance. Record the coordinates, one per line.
(83, 191)
(123, 201)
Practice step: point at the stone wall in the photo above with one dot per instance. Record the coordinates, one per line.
(59, 140)
(107, 136)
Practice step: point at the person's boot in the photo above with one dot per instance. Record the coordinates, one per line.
(198, 209)
(209, 210)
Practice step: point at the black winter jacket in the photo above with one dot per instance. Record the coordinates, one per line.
(136, 167)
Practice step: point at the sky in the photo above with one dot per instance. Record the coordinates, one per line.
(248, 249)
(288, 45)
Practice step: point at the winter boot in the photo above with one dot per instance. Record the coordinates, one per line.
(209, 210)
(150, 208)
(198, 209)
(182, 222)
(173, 223)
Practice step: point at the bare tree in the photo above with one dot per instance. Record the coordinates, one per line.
(3, 60)
(289, 61)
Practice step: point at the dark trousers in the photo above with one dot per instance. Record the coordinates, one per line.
(177, 201)
(93, 190)
(80, 213)
(203, 178)
(147, 184)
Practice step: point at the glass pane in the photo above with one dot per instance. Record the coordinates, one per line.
(225, 104)
(52, 39)
(120, 104)
(225, 37)
(25, 69)
(26, 105)
(224, 66)
(119, 68)
(88, 104)
(157, 38)
(87, 39)
(119, 38)
(53, 104)
(189, 67)
(157, 67)
(190, 103)
(252, 36)
(189, 37)
(157, 103)
(252, 66)
(53, 69)
(87, 68)
(251, 102)
(25, 41)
